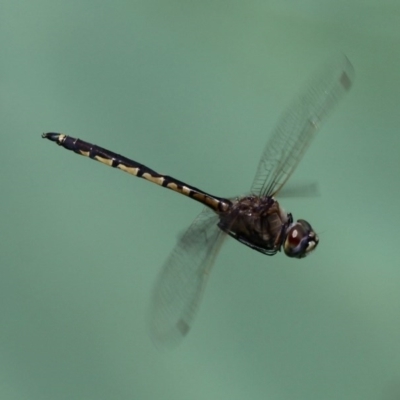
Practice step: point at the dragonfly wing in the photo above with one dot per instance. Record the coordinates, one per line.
(180, 285)
(300, 189)
(298, 125)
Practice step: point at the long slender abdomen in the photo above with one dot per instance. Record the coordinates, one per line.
(132, 167)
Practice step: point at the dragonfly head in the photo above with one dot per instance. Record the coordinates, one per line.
(300, 239)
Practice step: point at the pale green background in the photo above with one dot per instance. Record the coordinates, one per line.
(192, 89)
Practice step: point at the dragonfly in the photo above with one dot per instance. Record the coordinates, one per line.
(256, 219)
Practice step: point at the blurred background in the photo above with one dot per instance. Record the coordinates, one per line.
(192, 89)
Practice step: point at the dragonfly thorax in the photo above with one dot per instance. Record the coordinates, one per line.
(262, 224)
(258, 222)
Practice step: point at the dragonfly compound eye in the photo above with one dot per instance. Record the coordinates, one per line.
(300, 239)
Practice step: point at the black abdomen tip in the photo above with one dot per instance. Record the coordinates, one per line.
(51, 136)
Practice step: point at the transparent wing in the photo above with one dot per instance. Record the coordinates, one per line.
(300, 189)
(182, 280)
(298, 125)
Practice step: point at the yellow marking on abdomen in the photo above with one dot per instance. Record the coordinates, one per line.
(205, 199)
(84, 153)
(129, 170)
(184, 189)
(159, 180)
(106, 161)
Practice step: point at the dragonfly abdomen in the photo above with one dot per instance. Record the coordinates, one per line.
(132, 167)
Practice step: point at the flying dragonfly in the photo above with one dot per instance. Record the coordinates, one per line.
(257, 220)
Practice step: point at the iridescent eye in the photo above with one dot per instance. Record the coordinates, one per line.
(300, 239)
(294, 237)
